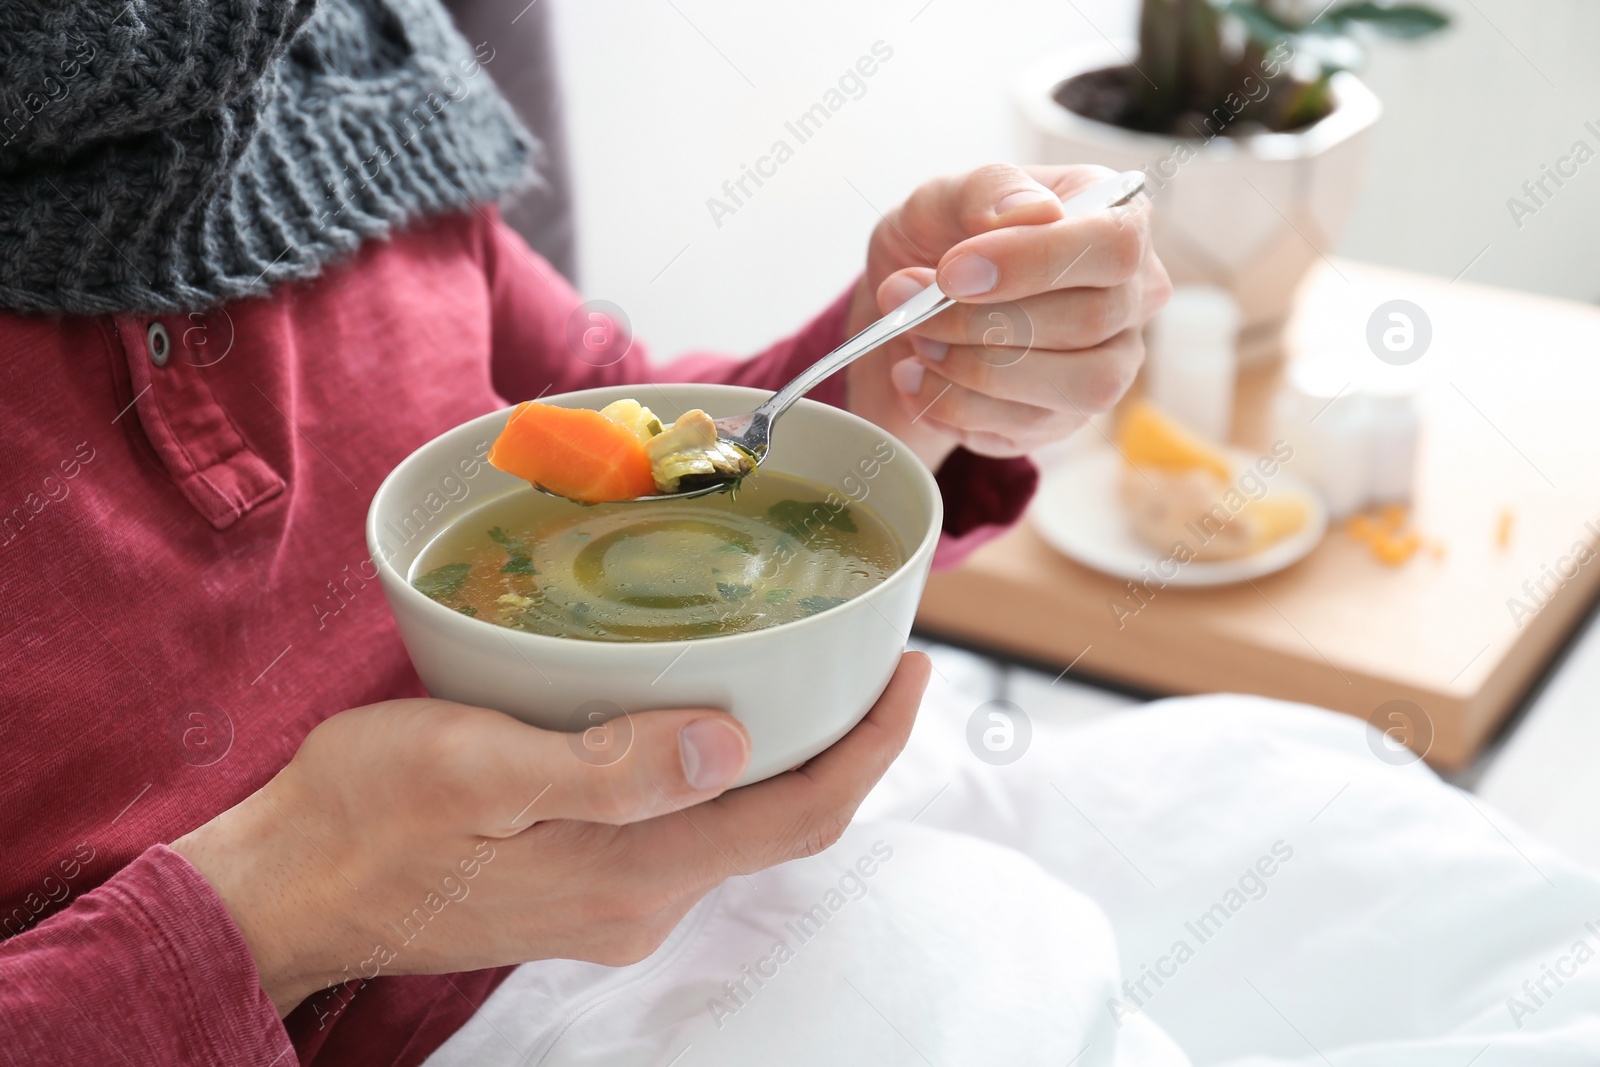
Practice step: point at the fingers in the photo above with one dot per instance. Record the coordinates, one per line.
(640, 879)
(631, 768)
(800, 813)
(1079, 317)
(1003, 402)
(1102, 248)
(1005, 377)
(999, 195)
(942, 404)
(1087, 381)
(848, 770)
(946, 210)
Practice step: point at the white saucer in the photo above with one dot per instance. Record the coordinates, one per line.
(1079, 512)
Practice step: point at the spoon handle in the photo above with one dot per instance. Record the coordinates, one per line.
(920, 308)
(1108, 192)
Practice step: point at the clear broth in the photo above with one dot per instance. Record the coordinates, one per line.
(776, 552)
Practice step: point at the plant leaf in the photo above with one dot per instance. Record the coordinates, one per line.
(443, 581)
(1307, 102)
(1264, 28)
(1405, 21)
(733, 592)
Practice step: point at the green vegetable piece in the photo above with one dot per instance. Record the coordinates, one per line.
(519, 564)
(778, 596)
(506, 541)
(469, 611)
(442, 582)
(517, 549)
(731, 591)
(813, 605)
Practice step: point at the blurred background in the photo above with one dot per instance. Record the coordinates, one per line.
(667, 100)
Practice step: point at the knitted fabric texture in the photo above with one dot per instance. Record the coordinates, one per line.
(167, 155)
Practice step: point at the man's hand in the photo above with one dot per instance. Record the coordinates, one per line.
(1048, 329)
(421, 836)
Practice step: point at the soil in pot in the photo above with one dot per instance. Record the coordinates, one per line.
(1120, 96)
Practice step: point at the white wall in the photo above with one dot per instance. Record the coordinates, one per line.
(668, 99)
(1468, 119)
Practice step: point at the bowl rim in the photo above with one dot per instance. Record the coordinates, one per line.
(399, 585)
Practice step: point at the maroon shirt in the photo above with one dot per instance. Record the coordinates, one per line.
(186, 594)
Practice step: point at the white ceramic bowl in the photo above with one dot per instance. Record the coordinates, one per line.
(798, 687)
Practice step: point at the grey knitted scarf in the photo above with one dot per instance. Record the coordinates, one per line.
(167, 155)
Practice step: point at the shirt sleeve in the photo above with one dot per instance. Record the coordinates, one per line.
(146, 969)
(545, 342)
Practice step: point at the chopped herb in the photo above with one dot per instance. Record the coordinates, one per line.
(778, 596)
(519, 561)
(580, 610)
(733, 592)
(443, 581)
(469, 611)
(813, 605)
(800, 518)
(506, 541)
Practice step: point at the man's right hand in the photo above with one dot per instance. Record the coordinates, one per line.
(422, 836)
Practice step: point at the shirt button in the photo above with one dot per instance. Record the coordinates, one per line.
(160, 347)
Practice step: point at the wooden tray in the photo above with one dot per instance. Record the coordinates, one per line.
(1511, 420)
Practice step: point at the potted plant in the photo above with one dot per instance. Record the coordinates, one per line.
(1250, 124)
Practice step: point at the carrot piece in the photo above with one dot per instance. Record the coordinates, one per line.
(1502, 533)
(578, 453)
(1395, 549)
(1148, 438)
(1362, 528)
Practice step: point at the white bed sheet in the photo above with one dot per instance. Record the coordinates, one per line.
(1219, 880)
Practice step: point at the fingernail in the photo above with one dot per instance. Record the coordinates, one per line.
(907, 376)
(898, 292)
(929, 349)
(1022, 198)
(968, 275)
(712, 752)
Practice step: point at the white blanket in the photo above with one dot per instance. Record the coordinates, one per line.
(1214, 880)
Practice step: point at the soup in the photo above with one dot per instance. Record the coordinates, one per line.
(777, 551)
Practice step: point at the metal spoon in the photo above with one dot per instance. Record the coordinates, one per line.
(751, 432)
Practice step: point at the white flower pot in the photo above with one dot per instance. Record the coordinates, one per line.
(1250, 214)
